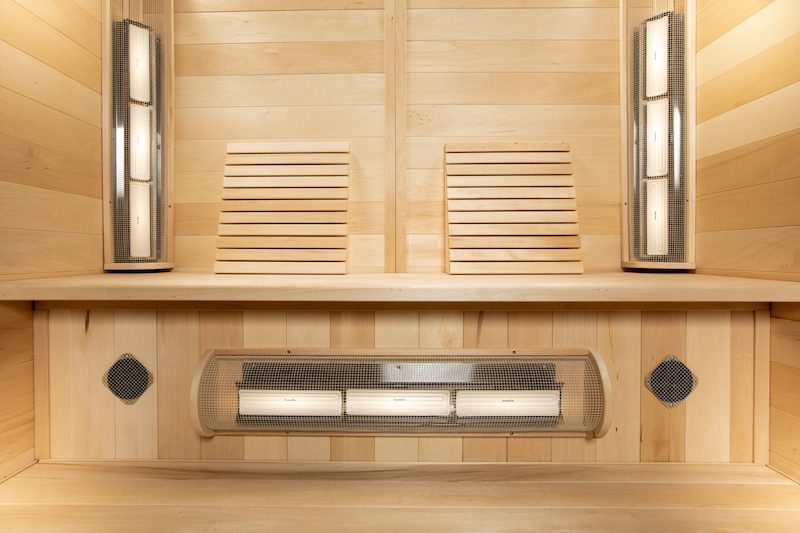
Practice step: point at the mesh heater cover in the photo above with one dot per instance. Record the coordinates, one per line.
(410, 391)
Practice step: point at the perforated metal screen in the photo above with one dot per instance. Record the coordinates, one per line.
(658, 173)
(138, 188)
(400, 393)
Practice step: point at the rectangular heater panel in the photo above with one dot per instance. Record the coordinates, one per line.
(139, 63)
(508, 403)
(290, 403)
(657, 192)
(139, 213)
(656, 144)
(375, 402)
(657, 53)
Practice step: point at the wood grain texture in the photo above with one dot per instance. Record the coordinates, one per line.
(784, 383)
(663, 429)
(17, 393)
(742, 386)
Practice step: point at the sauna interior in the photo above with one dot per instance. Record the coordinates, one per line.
(400, 265)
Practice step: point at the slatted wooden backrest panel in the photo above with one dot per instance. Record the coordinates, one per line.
(284, 209)
(511, 209)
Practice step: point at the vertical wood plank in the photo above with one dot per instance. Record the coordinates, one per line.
(265, 329)
(708, 354)
(485, 449)
(41, 373)
(485, 329)
(742, 367)
(178, 351)
(619, 343)
(530, 329)
(266, 448)
(761, 388)
(530, 449)
(574, 329)
(440, 449)
(308, 329)
(663, 428)
(352, 448)
(396, 329)
(137, 424)
(397, 449)
(222, 329)
(309, 449)
(441, 329)
(390, 44)
(352, 329)
(60, 328)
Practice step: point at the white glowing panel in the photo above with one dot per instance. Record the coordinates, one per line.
(657, 194)
(140, 142)
(656, 144)
(139, 63)
(374, 402)
(139, 211)
(290, 403)
(508, 403)
(657, 51)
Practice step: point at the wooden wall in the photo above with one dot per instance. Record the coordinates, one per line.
(16, 388)
(305, 70)
(784, 405)
(715, 424)
(748, 132)
(50, 184)
(397, 79)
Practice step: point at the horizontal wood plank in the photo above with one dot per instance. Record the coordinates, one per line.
(517, 267)
(285, 193)
(285, 181)
(280, 267)
(320, 230)
(278, 254)
(284, 205)
(281, 242)
(513, 229)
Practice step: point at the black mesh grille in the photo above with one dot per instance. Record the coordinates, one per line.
(671, 381)
(128, 379)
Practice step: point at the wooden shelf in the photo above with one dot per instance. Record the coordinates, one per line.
(422, 288)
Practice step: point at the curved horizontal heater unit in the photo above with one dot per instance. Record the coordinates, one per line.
(565, 392)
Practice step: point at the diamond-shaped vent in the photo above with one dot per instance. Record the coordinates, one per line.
(128, 378)
(671, 381)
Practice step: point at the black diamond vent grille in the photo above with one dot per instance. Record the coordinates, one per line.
(128, 379)
(671, 381)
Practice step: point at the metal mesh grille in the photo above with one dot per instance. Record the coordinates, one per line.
(139, 201)
(128, 379)
(671, 381)
(673, 175)
(401, 393)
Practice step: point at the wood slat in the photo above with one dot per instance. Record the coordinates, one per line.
(515, 254)
(513, 229)
(517, 241)
(511, 216)
(465, 193)
(510, 181)
(268, 217)
(492, 204)
(284, 205)
(292, 254)
(332, 158)
(517, 267)
(288, 148)
(283, 229)
(507, 157)
(285, 170)
(284, 181)
(493, 169)
(280, 267)
(281, 242)
(285, 193)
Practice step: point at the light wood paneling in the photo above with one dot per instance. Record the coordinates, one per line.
(626, 339)
(747, 138)
(17, 387)
(742, 386)
(784, 384)
(49, 139)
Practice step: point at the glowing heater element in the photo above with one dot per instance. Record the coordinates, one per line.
(656, 144)
(657, 50)
(657, 222)
(290, 403)
(376, 402)
(139, 63)
(139, 211)
(140, 142)
(508, 403)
